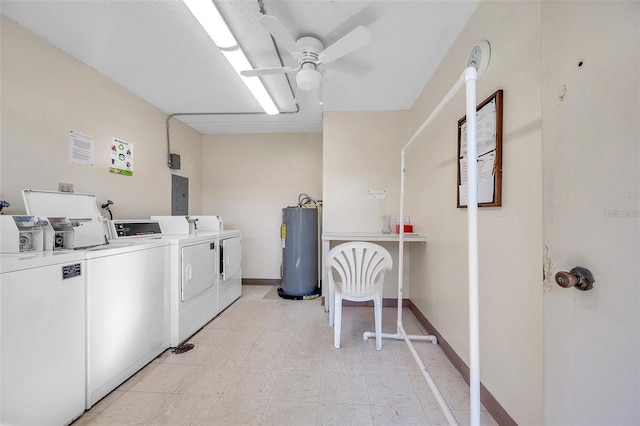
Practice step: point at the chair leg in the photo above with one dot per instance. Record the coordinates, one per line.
(337, 323)
(332, 304)
(377, 307)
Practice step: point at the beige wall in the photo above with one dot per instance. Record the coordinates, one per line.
(362, 153)
(45, 94)
(249, 179)
(591, 211)
(511, 334)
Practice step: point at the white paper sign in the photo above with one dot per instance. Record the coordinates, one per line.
(485, 131)
(486, 171)
(80, 148)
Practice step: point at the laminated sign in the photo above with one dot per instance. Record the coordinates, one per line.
(121, 157)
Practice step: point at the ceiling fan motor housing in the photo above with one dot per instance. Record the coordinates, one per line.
(310, 48)
(308, 78)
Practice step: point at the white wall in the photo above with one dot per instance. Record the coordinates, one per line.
(362, 153)
(591, 211)
(45, 94)
(249, 179)
(511, 332)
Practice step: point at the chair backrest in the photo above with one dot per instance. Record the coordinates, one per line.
(360, 265)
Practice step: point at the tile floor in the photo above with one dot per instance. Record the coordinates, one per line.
(271, 361)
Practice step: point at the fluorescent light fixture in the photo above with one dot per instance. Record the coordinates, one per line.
(239, 62)
(208, 15)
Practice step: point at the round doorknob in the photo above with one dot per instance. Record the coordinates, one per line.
(566, 279)
(579, 277)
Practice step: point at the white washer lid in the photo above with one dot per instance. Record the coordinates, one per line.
(76, 207)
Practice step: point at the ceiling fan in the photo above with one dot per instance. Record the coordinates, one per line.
(309, 52)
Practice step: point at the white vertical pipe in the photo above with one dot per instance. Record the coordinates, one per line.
(450, 94)
(401, 242)
(400, 330)
(471, 76)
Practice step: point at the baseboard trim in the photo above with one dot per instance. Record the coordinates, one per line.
(493, 406)
(261, 281)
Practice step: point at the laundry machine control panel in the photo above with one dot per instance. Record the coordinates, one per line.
(138, 228)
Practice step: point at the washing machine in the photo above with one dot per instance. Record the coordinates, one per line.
(42, 330)
(127, 292)
(127, 311)
(199, 290)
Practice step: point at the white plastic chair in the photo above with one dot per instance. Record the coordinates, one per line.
(360, 267)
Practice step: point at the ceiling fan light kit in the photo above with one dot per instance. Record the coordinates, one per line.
(308, 79)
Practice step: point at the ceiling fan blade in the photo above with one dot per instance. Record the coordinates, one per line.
(267, 71)
(280, 33)
(347, 44)
(342, 78)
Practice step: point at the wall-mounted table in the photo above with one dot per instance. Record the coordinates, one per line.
(373, 237)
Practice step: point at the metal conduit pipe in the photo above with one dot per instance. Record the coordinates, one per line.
(297, 110)
(211, 113)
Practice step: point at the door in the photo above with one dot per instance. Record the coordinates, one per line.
(198, 269)
(591, 162)
(230, 257)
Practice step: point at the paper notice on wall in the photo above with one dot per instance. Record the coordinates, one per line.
(80, 148)
(486, 167)
(121, 157)
(485, 131)
(486, 184)
(485, 193)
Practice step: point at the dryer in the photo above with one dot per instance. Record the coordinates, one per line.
(229, 268)
(199, 290)
(194, 287)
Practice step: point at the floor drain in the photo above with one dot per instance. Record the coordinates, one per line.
(180, 349)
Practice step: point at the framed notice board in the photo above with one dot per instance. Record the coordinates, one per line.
(489, 159)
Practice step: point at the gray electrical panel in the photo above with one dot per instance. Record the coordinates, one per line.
(174, 161)
(179, 195)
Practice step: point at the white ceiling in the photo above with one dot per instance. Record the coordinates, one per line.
(158, 51)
